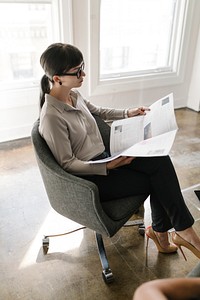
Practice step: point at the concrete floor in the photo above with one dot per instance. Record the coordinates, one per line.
(71, 269)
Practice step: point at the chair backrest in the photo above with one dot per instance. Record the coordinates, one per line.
(77, 198)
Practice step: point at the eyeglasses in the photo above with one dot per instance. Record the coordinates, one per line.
(78, 73)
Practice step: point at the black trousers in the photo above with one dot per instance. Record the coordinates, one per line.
(156, 177)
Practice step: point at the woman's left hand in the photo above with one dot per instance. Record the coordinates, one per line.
(119, 162)
(137, 111)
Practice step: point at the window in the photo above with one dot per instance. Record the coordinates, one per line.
(137, 37)
(138, 41)
(26, 28)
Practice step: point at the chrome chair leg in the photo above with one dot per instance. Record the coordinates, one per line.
(46, 241)
(106, 273)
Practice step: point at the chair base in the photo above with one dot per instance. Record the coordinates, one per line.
(139, 223)
(106, 273)
(45, 240)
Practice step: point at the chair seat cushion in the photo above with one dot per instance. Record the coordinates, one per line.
(119, 209)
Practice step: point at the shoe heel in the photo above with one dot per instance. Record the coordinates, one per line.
(146, 254)
(182, 253)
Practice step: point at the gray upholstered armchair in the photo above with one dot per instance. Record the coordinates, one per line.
(78, 199)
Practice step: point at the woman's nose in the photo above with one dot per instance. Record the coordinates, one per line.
(83, 73)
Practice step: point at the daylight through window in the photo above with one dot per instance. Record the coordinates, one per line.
(23, 37)
(136, 37)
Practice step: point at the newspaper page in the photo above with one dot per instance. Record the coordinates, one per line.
(150, 135)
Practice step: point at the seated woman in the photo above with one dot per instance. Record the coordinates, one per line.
(69, 129)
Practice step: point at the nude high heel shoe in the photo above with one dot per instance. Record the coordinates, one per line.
(150, 234)
(179, 242)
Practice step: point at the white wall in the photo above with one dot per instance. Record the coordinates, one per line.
(18, 111)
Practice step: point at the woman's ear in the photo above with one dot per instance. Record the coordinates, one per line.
(56, 79)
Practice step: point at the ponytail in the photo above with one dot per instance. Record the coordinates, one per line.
(44, 89)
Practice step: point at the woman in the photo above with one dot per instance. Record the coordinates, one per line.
(68, 127)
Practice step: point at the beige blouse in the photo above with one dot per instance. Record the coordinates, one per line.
(72, 133)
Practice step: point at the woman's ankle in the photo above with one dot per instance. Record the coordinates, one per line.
(163, 238)
(190, 236)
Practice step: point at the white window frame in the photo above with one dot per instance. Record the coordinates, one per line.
(144, 81)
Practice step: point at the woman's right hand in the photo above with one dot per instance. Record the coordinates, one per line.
(119, 162)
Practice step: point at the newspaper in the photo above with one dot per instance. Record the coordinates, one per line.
(150, 135)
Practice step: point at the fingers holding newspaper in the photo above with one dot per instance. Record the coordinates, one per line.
(131, 112)
(118, 162)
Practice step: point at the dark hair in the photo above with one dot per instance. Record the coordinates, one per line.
(57, 59)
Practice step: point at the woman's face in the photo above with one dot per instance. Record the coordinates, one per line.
(74, 77)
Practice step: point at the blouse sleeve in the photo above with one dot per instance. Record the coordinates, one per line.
(105, 113)
(54, 130)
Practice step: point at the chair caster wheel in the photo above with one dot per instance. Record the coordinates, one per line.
(107, 276)
(141, 230)
(45, 245)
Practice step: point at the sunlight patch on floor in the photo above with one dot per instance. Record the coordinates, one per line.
(54, 223)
